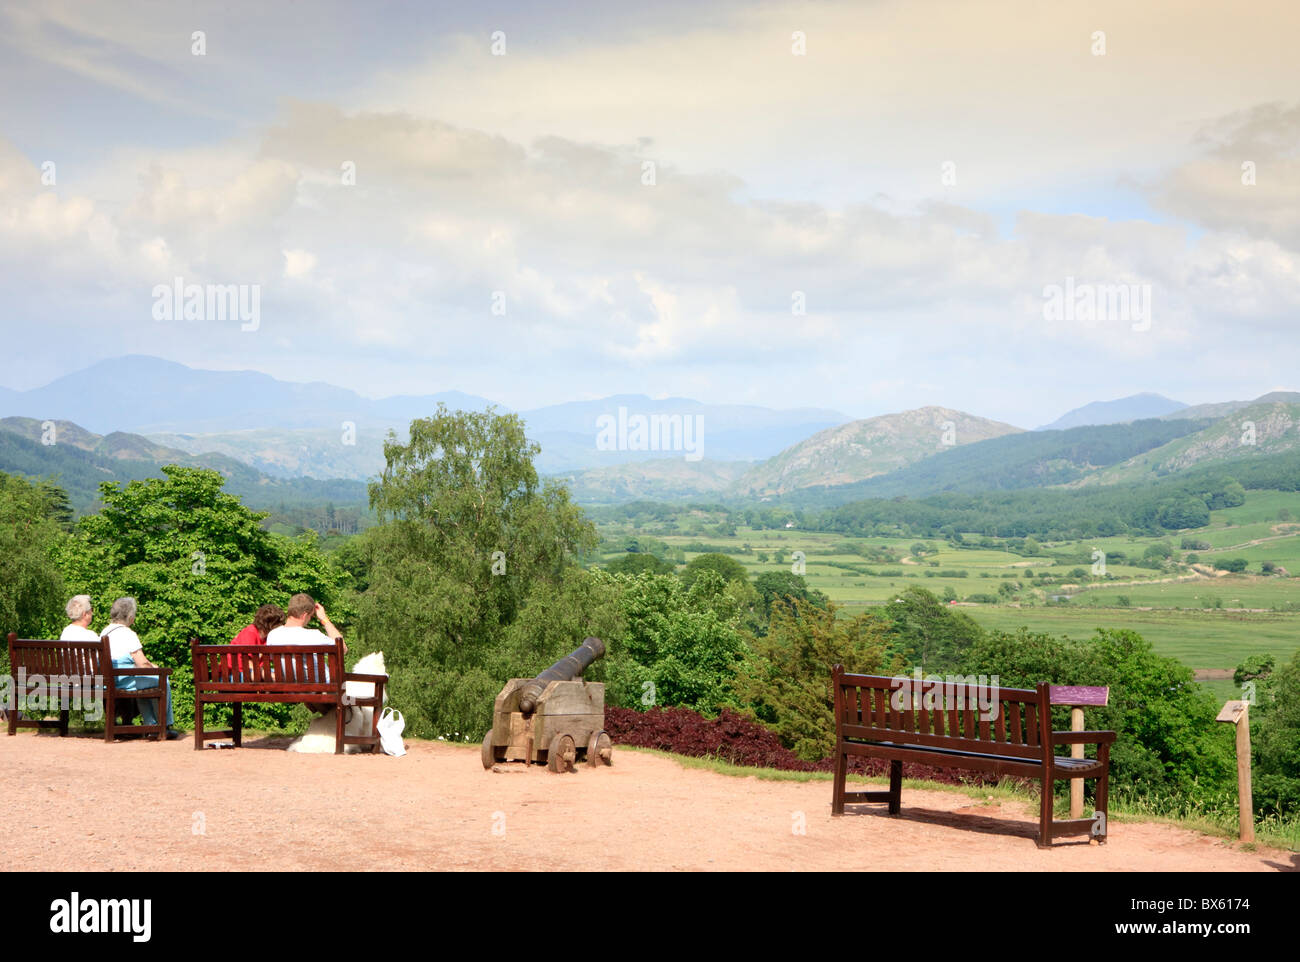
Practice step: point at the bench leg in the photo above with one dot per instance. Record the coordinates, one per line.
(841, 776)
(110, 715)
(237, 724)
(1103, 784)
(198, 723)
(11, 717)
(63, 722)
(1045, 813)
(338, 729)
(895, 787)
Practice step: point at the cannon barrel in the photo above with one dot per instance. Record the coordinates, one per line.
(566, 669)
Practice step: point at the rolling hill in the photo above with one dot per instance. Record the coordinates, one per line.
(867, 448)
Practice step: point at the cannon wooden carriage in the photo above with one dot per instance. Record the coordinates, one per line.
(556, 719)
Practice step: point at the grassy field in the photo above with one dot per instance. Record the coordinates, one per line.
(1188, 620)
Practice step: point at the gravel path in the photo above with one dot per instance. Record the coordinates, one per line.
(79, 804)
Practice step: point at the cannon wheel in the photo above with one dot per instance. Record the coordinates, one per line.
(600, 750)
(562, 754)
(491, 754)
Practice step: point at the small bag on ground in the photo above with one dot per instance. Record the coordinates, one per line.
(391, 726)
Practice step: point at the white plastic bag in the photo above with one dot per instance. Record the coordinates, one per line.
(391, 726)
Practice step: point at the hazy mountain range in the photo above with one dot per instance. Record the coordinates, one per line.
(262, 433)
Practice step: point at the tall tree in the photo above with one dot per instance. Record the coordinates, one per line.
(468, 535)
(31, 587)
(198, 564)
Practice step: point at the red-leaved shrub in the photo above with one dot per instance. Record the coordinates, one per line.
(736, 739)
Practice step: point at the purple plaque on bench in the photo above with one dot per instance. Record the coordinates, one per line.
(1079, 695)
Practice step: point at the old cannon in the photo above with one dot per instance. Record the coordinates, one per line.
(556, 719)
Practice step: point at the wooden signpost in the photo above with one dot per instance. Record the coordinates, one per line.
(1077, 697)
(1238, 713)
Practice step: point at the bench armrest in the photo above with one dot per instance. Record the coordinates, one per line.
(122, 672)
(1082, 738)
(354, 676)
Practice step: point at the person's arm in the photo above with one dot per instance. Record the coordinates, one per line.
(334, 633)
(140, 660)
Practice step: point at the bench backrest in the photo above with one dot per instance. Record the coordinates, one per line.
(986, 719)
(51, 658)
(282, 669)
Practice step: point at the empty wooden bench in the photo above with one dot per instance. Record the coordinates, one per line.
(79, 672)
(941, 725)
(310, 674)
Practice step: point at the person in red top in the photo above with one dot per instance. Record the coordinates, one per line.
(267, 617)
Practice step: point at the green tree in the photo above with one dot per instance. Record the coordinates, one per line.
(928, 633)
(468, 537)
(198, 564)
(726, 566)
(1275, 741)
(31, 586)
(786, 682)
(784, 586)
(635, 563)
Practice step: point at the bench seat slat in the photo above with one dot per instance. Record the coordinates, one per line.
(922, 740)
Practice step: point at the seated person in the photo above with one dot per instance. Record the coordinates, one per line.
(127, 652)
(294, 631)
(267, 619)
(79, 612)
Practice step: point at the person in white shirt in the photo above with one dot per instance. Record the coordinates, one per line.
(127, 652)
(294, 631)
(302, 608)
(80, 612)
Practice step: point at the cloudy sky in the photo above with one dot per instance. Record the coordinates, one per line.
(848, 205)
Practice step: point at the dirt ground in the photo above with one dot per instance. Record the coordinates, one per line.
(77, 803)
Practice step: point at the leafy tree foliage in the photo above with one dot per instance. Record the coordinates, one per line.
(786, 682)
(1275, 741)
(31, 586)
(198, 564)
(681, 645)
(1167, 737)
(728, 568)
(635, 563)
(928, 633)
(773, 586)
(468, 537)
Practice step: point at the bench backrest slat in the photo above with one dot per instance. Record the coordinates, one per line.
(985, 719)
(52, 657)
(282, 669)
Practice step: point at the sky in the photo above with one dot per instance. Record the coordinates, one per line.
(867, 206)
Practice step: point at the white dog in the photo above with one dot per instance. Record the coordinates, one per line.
(319, 738)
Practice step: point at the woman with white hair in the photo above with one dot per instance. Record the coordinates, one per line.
(80, 611)
(127, 652)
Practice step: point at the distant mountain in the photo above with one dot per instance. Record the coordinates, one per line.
(1029, 459)
(1261, 429)
(149, 395)
(864, 449)
(80, 460)
(1132, 408)
(1224, 408)
(673, 479)
(321, 431)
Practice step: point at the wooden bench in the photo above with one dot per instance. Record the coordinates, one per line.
(310, 674)
(64, 669)
(942, 725)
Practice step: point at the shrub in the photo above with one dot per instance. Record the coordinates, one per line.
(734, 738)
